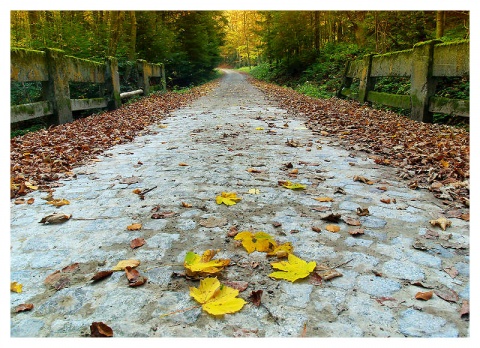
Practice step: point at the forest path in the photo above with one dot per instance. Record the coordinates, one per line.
(235, 140)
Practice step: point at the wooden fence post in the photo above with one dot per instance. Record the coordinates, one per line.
(367, 83)
(112, 83)
(143, 78)
(164, 81)
(56, 89)
(422, 84)
(346, 81)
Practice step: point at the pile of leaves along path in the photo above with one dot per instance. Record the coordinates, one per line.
(430, 156)
(39, 159)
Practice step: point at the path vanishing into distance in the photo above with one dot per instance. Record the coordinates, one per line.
(369, 235)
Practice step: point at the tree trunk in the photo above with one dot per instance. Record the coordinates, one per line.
(440, 24)
(246, 37)
(316, 26)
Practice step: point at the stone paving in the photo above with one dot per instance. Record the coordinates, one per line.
(194, 155)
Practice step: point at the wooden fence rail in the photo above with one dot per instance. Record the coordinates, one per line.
(424, 64)
(55, 70)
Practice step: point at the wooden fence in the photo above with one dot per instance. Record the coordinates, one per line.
(424, 64)
(55, 70)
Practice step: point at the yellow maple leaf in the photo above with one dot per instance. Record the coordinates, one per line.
(124, 263)
(282, 250)
(259, 241)
(197, 265)
(294, 269)
(215, 298)
(134, 227)
(228, 198)
(58, 202)
(293, 185)
(15, 287)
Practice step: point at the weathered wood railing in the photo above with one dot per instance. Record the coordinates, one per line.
(55, 70)
(424, 64)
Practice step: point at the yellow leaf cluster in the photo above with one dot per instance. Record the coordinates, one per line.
(293, 269)
(215, 298)
(228, 198)
(15, 287)
(259, 241)
(196, 265)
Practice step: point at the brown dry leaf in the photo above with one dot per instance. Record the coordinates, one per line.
(61, 278)
(183, 164)
(24, 307)
(447, 294)
(137, 242)
(55, 218)
(137, 191)
(362, 211)
(465, 217)
(315, 279)
(362, 179)
(442, 222)
(19, 201)
(239, 285)
(163, 215)
(351, 221)
(254, 170)
(451, 271)
(99, 329)
(294, 171)
(385, 200)
(233, 231)
(256, 297)
(213, 222)
(332, 217)
(424, 295)
(465, 310)
(316, 229)
(186, 205)
(324, 199)
(134, 227)
(102, 275)
(330, 274)
(357, 231)
(382, 188)
(132, 274)
(30, 200)
(332, 228)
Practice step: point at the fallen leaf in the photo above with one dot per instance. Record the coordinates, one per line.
(451, 271)
(134, 227)
(362, 211)
(351, 221)
(282, 250)
(132, 274)
(30, 200)
(330, 274)
(259, 128)
(217, 299)
(293, 143)
(102, 275)
(254, 170)
(213, 222)
(465, 310)
(124, 263)
(424, 295)
(332, 228)
(259, 241)
(24, 307)
(316, 229)
(233, 231)
(58, 202)
(137, 242)
(293, 269)
(442, 222)
(99, 329)
(183, 164)
(315, 279)
(340, 190)
(55, 218)
(362, 179)
(186, 205)
(239, 285)
(228, 198)
(256, 297)
(254, 191)
(324, 199)
(19, 201)
(447, 294)
(357, 232)
(137, 191)
(292, 185)
(15, 287)
(385, 200)
(163, 215)
(203, 265)
(333, 217)
(276, 224)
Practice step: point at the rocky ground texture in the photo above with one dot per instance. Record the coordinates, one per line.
(163, 184)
